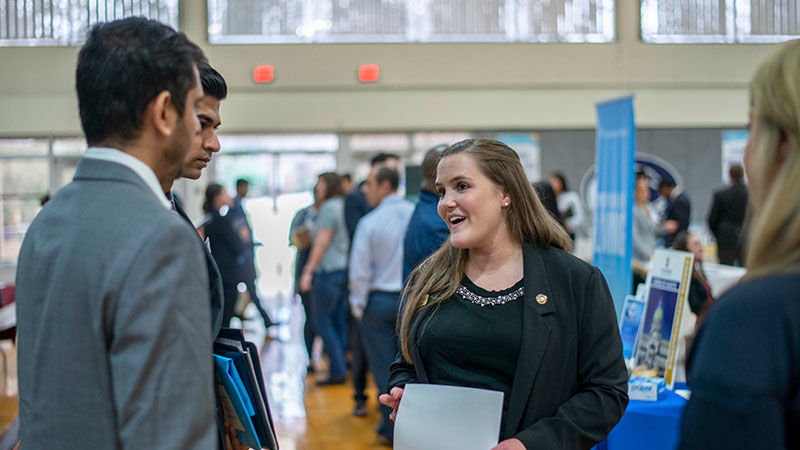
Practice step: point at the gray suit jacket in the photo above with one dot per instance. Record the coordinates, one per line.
(113, 320)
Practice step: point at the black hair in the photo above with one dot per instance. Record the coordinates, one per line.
(736, 173)
(346, 176)
(122, 67)
(666, 182)
(44, 199)
(213, 83)
(382, 157)
(390, 175)
(548, 197)
(241, 181)
(560, 176)
(212, 191)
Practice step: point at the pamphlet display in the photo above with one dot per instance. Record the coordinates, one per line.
(666, 316)
(630, 324)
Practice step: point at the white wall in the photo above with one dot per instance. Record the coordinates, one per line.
(423, 86)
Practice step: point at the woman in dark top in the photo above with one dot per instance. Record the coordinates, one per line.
(502, 306)
(225, 245)
(744, 369)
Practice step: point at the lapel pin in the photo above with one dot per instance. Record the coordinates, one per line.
(541, 299)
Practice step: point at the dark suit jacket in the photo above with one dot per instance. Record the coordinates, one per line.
(426, 232)
(744, 370)
(226, 247)
(680, 210)
(238, 220)
(214, 277)
(570, 386)
(727, 215)
(355, 207)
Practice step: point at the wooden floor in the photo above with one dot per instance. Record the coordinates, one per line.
(307, 417)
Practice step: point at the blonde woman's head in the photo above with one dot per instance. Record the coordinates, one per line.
(772, 163)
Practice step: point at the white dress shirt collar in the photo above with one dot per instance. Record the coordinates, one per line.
(143, 170)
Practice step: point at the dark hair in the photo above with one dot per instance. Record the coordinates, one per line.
(382, 157)
(212, 191)
(390, 175)
(333, 185)
(560, 176)
(347, 177)
(548, 198)
(640, 174)
(122, 67)
(666, 182)
(241, 181)
(429, 164)
(736, 173)
(212, 82)
(44, 199)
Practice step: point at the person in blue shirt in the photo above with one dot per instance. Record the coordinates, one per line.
(427, 231)
(376, 277)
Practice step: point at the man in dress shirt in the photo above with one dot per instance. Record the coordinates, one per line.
(112, 290)
(376, 276)
(205, 144)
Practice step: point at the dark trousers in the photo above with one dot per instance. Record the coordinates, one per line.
(251, 290)
(229, 293)
(380, 342)
(328, 300)
(358, 365)
(308, 329)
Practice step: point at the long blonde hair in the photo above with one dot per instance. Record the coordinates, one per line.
(437, 277)
(774, 238)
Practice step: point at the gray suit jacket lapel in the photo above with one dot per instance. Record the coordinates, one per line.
(535, 334)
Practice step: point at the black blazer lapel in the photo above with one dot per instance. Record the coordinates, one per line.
(535, 334)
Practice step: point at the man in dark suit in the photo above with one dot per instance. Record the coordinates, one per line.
(727, 217)
(247, 262)
(678, 212)
(112, 290)
(204, 146)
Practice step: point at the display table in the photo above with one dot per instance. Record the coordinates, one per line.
(650, 425)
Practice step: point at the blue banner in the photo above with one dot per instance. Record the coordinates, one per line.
(613, 219)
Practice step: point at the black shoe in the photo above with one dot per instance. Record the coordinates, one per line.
(330, 381)
(361, 409)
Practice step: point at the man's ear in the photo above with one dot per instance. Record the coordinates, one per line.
(162, 113)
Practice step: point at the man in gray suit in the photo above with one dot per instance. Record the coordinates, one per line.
(112, 289)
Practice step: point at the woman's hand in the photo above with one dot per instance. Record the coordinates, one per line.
(305, 281)
(392, 400)
(510, 444)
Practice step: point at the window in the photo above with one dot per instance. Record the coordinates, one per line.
(65, 22)
(725, 21)
(332, 21)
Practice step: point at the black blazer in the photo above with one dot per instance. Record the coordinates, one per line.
(570, 386)
(727, 214)
(226, 247)
(214, 277)
(680, 210)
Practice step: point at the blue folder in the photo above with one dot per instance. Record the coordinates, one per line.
(233, 394)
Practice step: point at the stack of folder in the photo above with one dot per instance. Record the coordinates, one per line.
(240, 386)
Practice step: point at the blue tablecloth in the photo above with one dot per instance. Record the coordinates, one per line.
(650, 425)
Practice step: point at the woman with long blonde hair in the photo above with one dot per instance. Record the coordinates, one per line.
(502, 306)
(744, 369)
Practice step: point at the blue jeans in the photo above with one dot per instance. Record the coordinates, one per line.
(328, 300)
(380, 342)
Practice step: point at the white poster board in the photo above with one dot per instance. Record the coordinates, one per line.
(733, 144)
(529, 150)
(667, 317)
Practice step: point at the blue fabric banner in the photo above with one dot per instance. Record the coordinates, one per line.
(613, 219)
